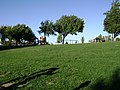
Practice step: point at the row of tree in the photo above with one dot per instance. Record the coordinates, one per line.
(72, 24)
(18, 33)
(21, 33)
(101, 38)
(64, 26)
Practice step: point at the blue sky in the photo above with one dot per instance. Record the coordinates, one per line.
(32, 12)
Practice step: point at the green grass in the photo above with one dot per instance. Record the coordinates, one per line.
(77, 64)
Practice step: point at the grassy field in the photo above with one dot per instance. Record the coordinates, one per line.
(61, 67)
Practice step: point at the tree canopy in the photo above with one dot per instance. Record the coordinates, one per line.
(112, 20)
(18, 33)
(2, 31)
(46, 27)
(59, 38)
(68, 25)
(22, 32)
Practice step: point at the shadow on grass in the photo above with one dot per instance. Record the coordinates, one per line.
(15, 83)
(13, 47)
(82, 85)
(112, 84)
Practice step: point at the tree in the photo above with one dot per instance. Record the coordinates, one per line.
(100, 38)
(107, 38)
(59, 38)
(68, 25)
(112, 20)
(9, 33)
(82, 39)
(117, 39)
(22, 32)
(2, 31)
(27, 34)
(18, 33)
(46, 28)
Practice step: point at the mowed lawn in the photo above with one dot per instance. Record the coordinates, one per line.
(61, 67)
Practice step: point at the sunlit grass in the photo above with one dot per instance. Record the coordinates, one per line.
(77, 64)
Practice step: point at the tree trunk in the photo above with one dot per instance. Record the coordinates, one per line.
(10, 42)
(16, 44)
(113, 37)
(44, 39)
(63, 39)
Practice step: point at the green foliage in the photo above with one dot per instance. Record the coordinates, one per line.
(101, 38)
(69, 25)
(18, 32)
(2, 31)
(77, 64)
(107, 38)
(59, 38)
(117, 39)
(82, 39)
(46, 28)
(112, 20)
(22, 32)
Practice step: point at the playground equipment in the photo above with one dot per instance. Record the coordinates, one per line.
(43, 40)
(71, 41)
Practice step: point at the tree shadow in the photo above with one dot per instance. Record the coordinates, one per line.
(112, 84)
(82, 85)
(2, 48)
(14, 83)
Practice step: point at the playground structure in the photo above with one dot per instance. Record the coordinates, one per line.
(43, 40)
(69, 41)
